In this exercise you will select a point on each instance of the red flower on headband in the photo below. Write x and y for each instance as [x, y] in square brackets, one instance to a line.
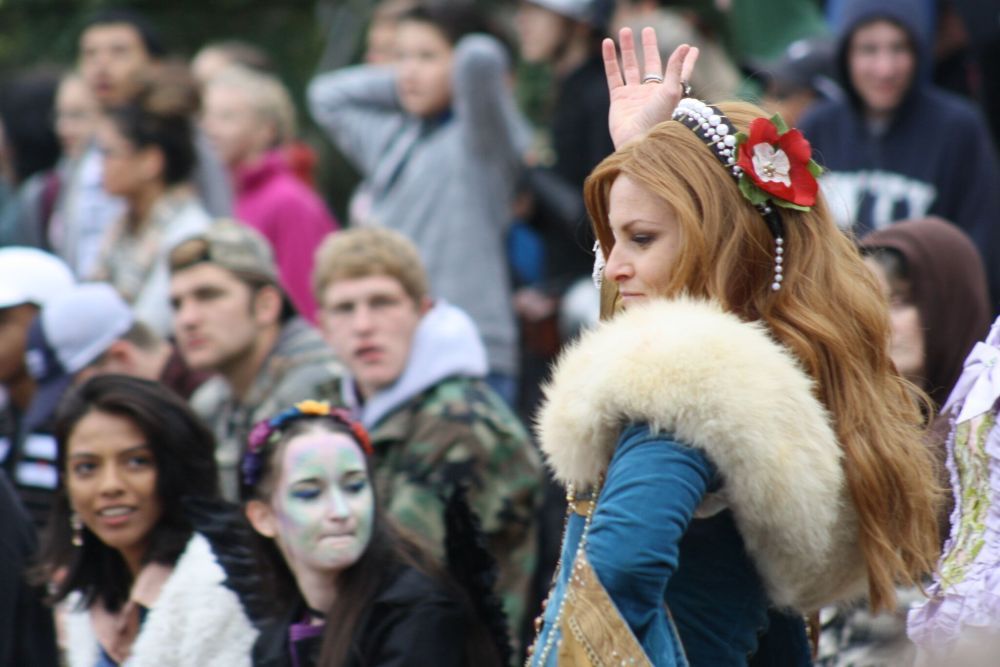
[779, 164]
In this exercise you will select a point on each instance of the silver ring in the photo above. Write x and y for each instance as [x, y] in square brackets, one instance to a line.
[685, 88]
[650, 78]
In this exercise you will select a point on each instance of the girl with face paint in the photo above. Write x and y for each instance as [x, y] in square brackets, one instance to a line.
[309, 495]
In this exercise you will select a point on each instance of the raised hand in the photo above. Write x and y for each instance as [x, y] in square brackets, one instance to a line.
[636, 106]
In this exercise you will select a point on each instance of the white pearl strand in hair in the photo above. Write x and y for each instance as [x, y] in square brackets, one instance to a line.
[712, 128]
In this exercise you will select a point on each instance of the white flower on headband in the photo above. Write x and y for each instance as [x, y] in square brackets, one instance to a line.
[770, 165]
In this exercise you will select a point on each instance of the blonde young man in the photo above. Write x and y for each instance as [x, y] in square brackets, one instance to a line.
[416, 378]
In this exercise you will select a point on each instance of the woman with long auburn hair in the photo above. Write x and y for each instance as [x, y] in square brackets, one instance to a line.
[734, 437]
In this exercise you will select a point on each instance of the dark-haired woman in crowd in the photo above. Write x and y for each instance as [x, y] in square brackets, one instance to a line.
[333, 554]
[149, 156]
[142, 585]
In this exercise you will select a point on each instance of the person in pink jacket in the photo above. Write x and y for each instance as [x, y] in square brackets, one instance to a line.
[249, 118]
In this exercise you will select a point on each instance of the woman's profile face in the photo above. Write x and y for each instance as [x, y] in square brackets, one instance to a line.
[647, 241]
[424, 62]
[111, 481]
[125, 166]
[906, 345]
[323, 505]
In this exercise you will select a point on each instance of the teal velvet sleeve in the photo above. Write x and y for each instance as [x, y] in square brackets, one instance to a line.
[652, 489]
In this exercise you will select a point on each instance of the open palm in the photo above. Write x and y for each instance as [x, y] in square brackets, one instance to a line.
[636, 106]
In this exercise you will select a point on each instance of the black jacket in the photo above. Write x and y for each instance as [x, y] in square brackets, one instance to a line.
[27, 634]
[413, 622]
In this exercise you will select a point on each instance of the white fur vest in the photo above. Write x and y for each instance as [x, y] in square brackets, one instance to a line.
[725, 386]
[195, 621]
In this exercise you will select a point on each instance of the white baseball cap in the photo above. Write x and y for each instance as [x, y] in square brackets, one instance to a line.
[30, 275]
[80, 324]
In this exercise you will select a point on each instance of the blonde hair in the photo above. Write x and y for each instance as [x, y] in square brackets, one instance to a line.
[369, 251]
[828, 312]
[267, 97]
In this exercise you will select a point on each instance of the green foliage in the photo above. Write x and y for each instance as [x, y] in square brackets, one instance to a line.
[751, 191]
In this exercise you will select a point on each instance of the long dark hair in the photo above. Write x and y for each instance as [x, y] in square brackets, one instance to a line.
[160, 116]
[389, 551]
[184, 452]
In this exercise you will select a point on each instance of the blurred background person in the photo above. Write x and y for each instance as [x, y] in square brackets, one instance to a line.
[935, 286]
[215, 57]
[76, 116]
[249, 118]
[935, 283]
[148, 156]
[380, 40]
[802, 77]
[29, 278]
[716, 77]
[29, 150]
[897, 147]
[89, 330]
[119, 52]
[436, 139]
[27, 633]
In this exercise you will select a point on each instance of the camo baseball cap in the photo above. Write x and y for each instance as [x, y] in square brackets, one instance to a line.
[231, 245]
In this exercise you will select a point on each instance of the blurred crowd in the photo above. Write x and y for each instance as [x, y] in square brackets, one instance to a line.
[160, 218]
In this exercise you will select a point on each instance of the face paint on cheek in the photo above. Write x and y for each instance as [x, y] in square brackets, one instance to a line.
[325, 506]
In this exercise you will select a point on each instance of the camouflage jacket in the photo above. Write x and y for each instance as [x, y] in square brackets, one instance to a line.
[300, 366]
[459, 431]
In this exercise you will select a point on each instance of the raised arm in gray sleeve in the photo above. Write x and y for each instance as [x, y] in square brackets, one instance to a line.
[358, 109]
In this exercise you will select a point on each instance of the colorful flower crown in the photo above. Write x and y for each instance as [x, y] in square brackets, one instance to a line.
[267, 430]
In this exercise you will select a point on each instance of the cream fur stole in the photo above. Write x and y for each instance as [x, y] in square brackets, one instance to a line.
[725, 386]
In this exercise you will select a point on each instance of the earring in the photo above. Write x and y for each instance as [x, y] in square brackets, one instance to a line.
[779, 260]
[77, 525]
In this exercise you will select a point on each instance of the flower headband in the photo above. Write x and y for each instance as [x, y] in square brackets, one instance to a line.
[267, 430]
[772, 165]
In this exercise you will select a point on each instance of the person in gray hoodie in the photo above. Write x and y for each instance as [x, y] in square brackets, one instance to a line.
[438, 142]
[415, 380]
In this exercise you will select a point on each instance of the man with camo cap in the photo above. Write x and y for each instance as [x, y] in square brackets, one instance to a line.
[416, 372]
[231, 316]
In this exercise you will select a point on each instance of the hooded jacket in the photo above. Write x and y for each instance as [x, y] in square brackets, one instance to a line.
[948, 287]
[440, 426]
[933, 157]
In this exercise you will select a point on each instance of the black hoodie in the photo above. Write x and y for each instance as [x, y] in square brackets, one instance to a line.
[934, 157]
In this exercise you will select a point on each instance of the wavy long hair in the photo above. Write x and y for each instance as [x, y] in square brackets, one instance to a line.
[829, 313]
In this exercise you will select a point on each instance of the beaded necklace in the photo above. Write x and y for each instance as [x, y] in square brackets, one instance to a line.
[539, 620]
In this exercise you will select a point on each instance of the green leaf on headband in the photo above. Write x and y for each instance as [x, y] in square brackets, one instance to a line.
[751, 191]
[815, 169]
[779, 123]
[741, 137]
[787, 204]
